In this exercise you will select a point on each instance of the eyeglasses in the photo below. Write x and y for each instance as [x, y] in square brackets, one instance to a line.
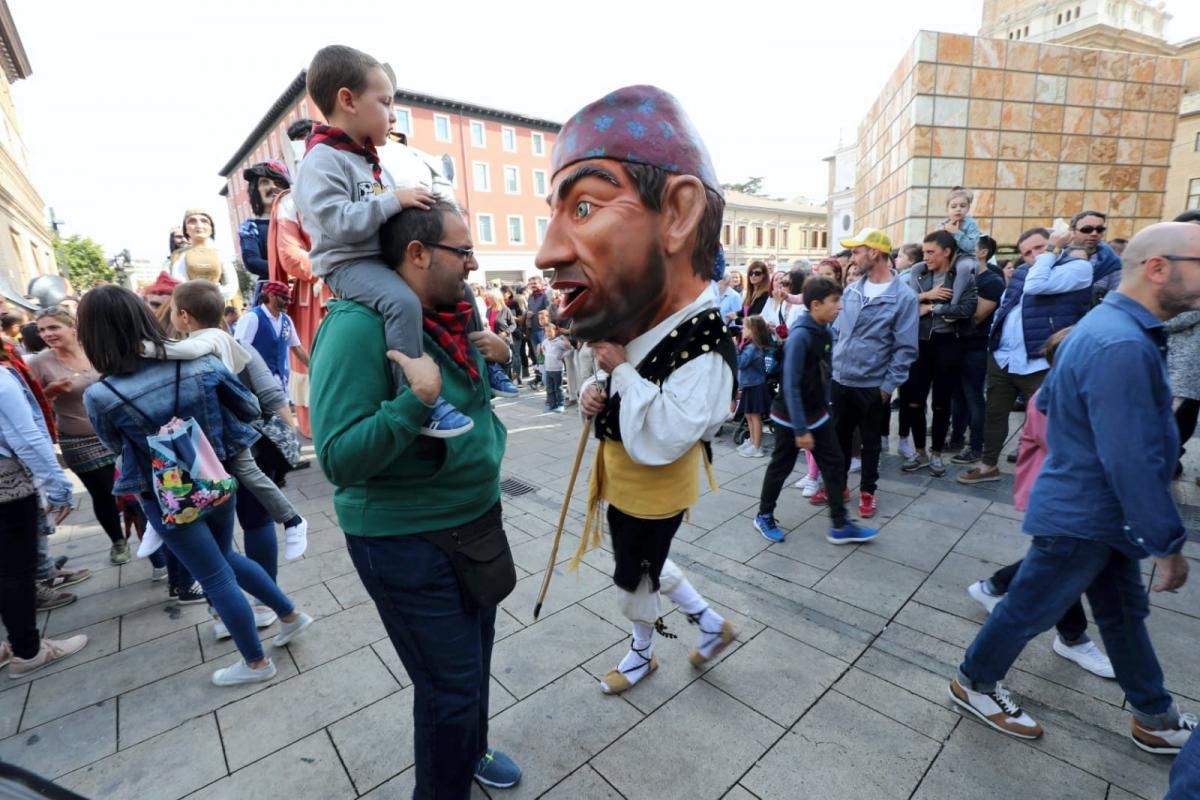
[467, 253]
[1093, 229]
[757, 274]
[1175, 258]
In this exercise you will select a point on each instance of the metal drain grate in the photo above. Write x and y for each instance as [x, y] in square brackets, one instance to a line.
[515, 488]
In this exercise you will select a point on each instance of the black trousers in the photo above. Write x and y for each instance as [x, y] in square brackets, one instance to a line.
[18, 574]
[640, 546]
[1185, 419]
[828, 454]
[858, 409]
[1072, 626]
[938, 366]
[99, 485]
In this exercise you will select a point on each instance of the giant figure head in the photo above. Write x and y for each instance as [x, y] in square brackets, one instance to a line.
[635, 214]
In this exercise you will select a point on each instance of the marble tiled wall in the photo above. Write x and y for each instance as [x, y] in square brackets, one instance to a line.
[1037, 131]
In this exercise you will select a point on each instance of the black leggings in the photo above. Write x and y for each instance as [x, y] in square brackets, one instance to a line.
[99, 485]
[938, 365]
[18, 574]
[1185, 419]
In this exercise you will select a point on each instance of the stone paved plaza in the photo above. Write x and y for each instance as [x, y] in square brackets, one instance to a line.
[836, 687]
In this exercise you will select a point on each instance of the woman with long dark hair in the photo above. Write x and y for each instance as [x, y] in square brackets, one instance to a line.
[26, 461]
[65, 373]
[134, 400]
[758, 289]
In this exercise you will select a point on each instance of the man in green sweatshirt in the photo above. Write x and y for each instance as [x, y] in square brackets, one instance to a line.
[403, 499]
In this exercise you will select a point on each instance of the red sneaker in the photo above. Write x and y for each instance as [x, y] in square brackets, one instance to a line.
[821, 498]
[866, 505]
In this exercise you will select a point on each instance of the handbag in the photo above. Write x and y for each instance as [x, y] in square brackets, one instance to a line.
[281, 436]
[189, 480]
[481, 558]
[16, 482]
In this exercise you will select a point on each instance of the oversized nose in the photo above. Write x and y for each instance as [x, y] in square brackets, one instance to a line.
[557, 250]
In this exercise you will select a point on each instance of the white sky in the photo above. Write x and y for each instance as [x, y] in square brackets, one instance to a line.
[132, 108]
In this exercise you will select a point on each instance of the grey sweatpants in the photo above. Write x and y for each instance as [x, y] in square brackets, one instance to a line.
[241, 465]
[381, 288]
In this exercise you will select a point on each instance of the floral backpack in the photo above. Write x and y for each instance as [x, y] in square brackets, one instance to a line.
[189, 480]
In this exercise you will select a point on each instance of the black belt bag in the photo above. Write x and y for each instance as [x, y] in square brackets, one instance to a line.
[482, 560]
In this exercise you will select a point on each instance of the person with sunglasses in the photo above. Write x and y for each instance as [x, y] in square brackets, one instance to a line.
[758, 290]
[1088, 228]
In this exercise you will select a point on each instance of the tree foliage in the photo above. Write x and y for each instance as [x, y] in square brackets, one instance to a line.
[82, 261]
[752, 186]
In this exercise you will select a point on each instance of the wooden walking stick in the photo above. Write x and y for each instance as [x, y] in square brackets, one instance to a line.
[562, 517]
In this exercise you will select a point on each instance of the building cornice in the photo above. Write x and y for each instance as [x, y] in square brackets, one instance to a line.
[280, 107]
[12, 51]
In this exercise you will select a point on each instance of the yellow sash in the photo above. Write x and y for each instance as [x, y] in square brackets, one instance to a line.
[649, 492]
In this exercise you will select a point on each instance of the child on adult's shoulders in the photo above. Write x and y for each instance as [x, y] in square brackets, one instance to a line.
[959, 221]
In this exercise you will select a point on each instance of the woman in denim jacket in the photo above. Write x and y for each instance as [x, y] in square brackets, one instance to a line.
[112, 324]
[27, 465]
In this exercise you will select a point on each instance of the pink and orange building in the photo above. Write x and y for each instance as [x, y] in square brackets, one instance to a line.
[500, 162]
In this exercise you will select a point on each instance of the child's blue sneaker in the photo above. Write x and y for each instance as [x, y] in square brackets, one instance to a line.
[560, 410]
[766, 525]
[497, 770]
[502, 386]
[850, 534]
[445, 421]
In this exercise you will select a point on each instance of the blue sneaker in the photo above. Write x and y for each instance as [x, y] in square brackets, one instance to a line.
[766, 525]
[850, 534]
[499, 380]
[497, 770]
[445, 421]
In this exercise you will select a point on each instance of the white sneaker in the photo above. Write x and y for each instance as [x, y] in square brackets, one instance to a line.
[297, 540]
[158, 574]
[290, 630]
[150, 543]
[997, 710]
[1086, 655]
[980, 594]
[905, 449]
[1168, 741]
[240, 673]
[263, 618]
[749, 451]
[856, 465]
[809, 485]
[757, 452]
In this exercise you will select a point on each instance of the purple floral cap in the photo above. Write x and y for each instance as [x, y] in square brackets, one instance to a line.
[640, 125]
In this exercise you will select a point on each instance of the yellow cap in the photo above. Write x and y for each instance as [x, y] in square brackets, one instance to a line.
[872, 238]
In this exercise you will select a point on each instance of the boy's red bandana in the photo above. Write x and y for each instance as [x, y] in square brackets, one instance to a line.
[449, 330]
[338, 139]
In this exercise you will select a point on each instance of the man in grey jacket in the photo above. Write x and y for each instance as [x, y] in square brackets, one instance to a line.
[875, 343]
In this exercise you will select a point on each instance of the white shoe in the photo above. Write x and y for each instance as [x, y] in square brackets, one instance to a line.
[905, 449]
[150, 543]
[749, 452]
[290, 630]
[996, 709]
[809, 485]
[263, 618]
[743, 447]
[158, 574]
[240, 673]
[297, 540]
[1167, 741]
[1086, 655]
[979, 593]
[757, 452]
[856, 465]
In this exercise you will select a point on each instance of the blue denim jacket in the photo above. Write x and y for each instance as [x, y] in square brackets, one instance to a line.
[1112, 437]
[208, 393]
[23, 436]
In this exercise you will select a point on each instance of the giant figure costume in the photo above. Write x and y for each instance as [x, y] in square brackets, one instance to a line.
[632, 241]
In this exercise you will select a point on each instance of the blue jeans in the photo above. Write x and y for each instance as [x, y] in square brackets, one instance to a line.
[554, 395]
[1185, 772]
[206, 549]
[969, 402]
[258, 532]
[445, 647]
[1056, 571]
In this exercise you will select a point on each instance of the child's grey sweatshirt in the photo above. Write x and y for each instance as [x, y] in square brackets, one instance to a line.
[335, 192]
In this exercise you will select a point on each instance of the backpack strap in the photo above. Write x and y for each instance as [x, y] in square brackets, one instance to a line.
[178, 370]
[127, 401]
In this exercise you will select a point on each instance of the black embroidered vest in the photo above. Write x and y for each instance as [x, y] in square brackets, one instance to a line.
[696, 336]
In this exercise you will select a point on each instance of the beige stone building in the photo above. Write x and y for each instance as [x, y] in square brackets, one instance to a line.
[1054, 108]
[758, 228]
[26, 249]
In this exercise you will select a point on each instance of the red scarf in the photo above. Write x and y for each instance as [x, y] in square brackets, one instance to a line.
[338, 139]
[449, 330]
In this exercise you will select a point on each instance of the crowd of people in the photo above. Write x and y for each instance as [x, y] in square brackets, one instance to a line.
[178, 407]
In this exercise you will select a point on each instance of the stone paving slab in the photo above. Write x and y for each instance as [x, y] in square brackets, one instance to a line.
[835, 688]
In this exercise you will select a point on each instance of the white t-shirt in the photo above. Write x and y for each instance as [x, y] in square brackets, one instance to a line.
[247, 328]
[872, 290]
